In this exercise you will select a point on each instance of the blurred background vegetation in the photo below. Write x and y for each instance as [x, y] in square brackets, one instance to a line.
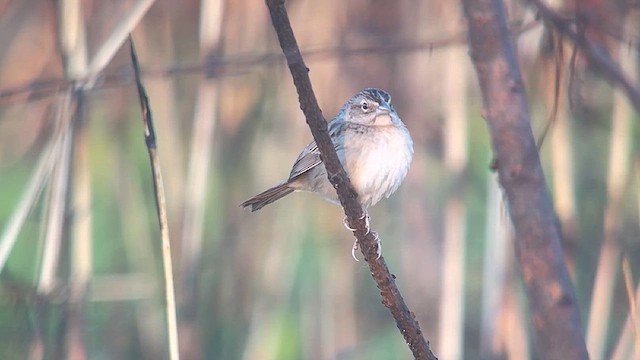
[80, 260]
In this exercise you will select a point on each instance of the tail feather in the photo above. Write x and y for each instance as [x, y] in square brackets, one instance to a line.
[267, 197]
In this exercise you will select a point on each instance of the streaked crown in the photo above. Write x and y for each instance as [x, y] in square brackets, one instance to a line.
[376, 95]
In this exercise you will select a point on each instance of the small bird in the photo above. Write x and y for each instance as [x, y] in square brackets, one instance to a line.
[373, 145]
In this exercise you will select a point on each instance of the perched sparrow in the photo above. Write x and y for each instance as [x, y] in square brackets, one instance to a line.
[373, 145]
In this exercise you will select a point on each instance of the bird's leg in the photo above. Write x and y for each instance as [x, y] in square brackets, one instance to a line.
[364, 216]
[354, 248]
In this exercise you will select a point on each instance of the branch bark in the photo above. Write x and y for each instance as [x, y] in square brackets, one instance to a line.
[554, 311]
[391, 297]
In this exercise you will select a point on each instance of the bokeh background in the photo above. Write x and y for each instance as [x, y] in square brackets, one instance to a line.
[80, 259]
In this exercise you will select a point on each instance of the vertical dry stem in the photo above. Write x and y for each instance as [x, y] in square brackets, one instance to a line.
[55, 213]
[561, 141]
[73, 47]
[159, 196]
[455, 158]
[494, 269]
[617, 175]
[205, 114]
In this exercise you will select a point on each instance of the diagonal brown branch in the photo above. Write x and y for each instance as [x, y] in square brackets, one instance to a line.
[554, 311]
[158, 191]
[391, 297]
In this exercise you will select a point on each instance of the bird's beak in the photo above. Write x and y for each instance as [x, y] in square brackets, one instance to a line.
[383, 114]
[384, 108]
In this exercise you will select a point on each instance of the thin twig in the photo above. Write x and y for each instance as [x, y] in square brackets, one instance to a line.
[597, 55]
[158, 190]
[391, 297]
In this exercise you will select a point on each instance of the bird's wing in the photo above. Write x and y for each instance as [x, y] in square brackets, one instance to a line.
[308, 159]
[310, 155]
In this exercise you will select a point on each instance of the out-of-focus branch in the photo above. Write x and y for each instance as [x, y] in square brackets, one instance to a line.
[391, 297]
[554, 311]
[217, 67]
[596, 55]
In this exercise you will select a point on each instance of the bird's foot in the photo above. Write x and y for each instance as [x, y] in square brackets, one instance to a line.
[345, 222]
[364, 216]
[356, 246]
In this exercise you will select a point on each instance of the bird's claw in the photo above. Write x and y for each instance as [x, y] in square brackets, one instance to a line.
[345, 222]
[355, 247]
[364, 216]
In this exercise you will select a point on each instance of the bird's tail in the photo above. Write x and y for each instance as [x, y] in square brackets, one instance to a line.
[267, 197]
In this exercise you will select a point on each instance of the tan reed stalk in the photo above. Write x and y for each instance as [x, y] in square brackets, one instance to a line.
[81, 238]
[617, 175]
[159, 196]
[116, 39]
[58, 198]
[633, 307]
[196, 184]
[73, 48]
[452, 306]
[628, 345]
[157, 45]
[515, 340]
[40, 176]
[561, 149]
[497, 229]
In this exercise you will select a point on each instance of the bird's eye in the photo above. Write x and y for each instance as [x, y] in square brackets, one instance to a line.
[364, 106]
